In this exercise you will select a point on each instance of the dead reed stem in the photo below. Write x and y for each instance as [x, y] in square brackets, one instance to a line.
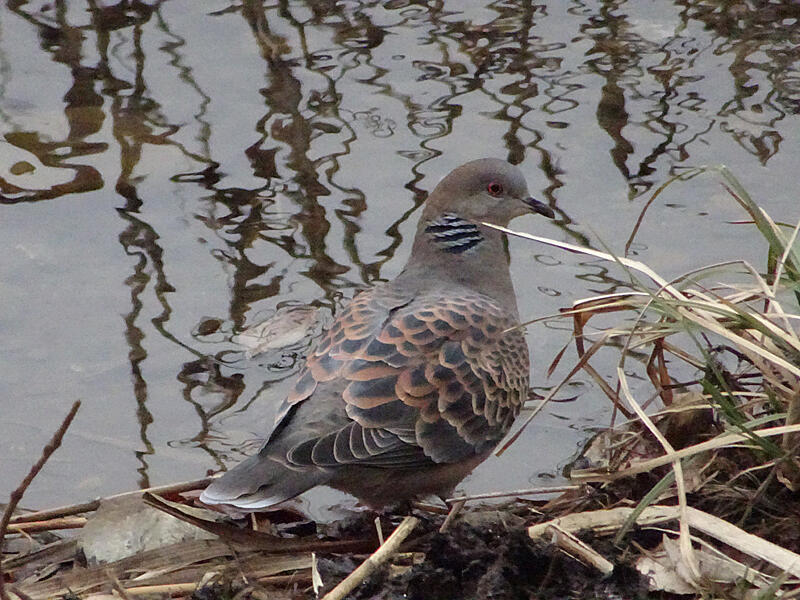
[451, 516]
[514, 493]
[375, 560]
[48, 525]
[17, 494]
[76, 509]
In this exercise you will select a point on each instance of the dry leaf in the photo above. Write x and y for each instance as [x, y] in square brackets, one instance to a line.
[665, 570]
[661, 575]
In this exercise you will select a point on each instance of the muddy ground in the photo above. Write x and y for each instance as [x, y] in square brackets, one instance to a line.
[485, 554]
[485, 560]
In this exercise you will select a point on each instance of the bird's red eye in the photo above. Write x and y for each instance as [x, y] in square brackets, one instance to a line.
[495, 189]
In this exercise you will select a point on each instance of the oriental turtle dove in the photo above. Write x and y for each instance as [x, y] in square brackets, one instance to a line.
[419, 378]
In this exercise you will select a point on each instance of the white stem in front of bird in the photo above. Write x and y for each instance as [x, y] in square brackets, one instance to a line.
[556, 489]
[702, 314]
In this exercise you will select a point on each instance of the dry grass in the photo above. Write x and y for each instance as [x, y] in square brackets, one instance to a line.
[718, 431]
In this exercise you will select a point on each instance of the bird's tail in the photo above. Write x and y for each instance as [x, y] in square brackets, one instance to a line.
[261, 481]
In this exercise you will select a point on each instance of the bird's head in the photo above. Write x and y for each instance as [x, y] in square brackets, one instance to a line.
[488, 189]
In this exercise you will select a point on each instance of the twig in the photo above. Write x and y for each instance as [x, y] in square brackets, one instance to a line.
[165, 589]
[728, 439]
[300, 577]
[380, 556]
[54, 513]
[379, 530]
[17, 494]
[457, 506]
[117, 585]
[49, 525]
[512, 493]
[580, 550]
[431, 508]
[76, 509]
[605, 521]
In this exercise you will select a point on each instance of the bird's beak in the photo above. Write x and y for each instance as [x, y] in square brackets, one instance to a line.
[539, 207]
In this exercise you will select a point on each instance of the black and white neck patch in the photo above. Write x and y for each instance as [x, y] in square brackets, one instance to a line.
[454, 234]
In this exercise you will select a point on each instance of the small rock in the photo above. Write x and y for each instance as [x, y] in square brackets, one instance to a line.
[126, 526]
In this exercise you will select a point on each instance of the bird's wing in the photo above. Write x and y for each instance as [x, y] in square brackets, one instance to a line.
[406, 381]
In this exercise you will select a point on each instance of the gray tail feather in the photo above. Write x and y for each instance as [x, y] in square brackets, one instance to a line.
[259, 482]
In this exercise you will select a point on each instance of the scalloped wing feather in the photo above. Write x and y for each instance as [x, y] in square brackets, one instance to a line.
[434, 378]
